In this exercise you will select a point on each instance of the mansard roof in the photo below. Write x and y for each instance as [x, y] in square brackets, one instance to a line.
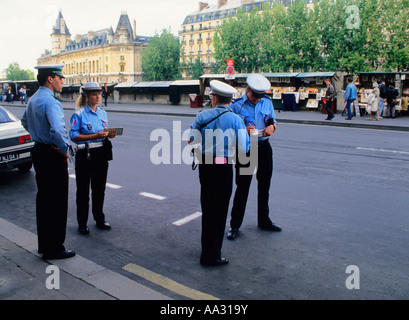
[126, 24]
[57, 25]
[229, 9]
[101, 37]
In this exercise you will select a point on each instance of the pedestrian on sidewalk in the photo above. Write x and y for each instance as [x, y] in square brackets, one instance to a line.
[391, 95]
[349, 97]
[382, 97]
[329, 98]
[44, 120]
[373, 102]
[105, 94]
[23, 95]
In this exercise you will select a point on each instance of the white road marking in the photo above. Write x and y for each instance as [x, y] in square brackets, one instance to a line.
[187, 219]
[113, 186]
[109, 185]
[151, 195]
[382, 150]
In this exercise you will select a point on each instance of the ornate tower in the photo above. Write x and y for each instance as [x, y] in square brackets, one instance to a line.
[61, 36]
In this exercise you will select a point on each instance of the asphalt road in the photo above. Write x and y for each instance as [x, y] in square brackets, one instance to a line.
[340, 194]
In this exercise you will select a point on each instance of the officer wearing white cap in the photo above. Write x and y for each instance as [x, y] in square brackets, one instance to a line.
[215, 169]
[44, 119]
[89, 130]
[257, 111]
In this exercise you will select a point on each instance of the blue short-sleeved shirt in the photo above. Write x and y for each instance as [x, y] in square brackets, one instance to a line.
[87, 121]
[256, 115]
[44, 119]
[227, 131]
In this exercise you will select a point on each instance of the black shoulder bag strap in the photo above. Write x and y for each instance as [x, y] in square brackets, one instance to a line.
[194, 165]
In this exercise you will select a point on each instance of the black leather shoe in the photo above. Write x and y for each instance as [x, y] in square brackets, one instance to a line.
[83, 230]
[270, 227]
[59, 255]
[104, 225]
[232, 233]
[215, 263]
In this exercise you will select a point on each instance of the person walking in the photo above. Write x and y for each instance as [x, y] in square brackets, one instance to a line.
[23, 94]
[382, 97]
[391, 95]
[216, 169]
[257, 111]
[373, 102]
[89, 131]
[329, 98]
[105, 94]
[9, 96]
[349, 97]
[43, 118]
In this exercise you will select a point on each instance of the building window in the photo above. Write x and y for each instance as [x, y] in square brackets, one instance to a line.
[122, 58]
[122, 68]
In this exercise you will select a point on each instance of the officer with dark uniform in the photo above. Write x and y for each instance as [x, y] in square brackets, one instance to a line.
[89, 130]
[211, 129]
[44, 119]
[257, 111]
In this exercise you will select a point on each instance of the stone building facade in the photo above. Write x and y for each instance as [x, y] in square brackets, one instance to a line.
[198, 28]
[104, 56]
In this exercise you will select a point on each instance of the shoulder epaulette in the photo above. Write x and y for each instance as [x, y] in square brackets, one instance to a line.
[236, 99]
[79, 111]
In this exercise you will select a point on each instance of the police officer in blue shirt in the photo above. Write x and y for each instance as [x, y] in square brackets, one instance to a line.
[256, 109]
[89, 130]
[44, 119]
[221, 134]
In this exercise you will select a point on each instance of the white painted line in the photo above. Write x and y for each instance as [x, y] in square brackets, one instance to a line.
[109, 185]
[113, 186]
[151, 195]
[382, 150]
[187, 219]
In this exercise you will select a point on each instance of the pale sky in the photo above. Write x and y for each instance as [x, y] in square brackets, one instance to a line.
[26, 25]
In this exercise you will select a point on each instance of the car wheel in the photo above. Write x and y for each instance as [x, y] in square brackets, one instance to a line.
[25, 167]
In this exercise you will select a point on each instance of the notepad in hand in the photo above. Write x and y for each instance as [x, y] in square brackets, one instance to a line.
[119, 131]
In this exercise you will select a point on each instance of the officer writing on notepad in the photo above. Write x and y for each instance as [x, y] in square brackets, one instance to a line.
[89, 130]
[220, 134]
[256, 109]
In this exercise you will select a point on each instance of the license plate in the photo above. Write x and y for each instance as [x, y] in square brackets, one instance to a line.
[9, 157]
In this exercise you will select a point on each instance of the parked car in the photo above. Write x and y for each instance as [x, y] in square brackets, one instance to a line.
[15, 143]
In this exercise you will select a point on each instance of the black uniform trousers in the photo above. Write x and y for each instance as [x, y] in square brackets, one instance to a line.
[264, 174]
[52, 198]
[216, 181]
[91, 168]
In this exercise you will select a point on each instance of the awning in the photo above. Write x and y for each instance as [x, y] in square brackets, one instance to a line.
[315, 74]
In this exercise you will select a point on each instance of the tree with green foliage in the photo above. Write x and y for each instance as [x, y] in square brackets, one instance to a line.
[395, 25]
[14, 73]
[160, 60]
[239, 39]
[342, 35]
[196, 69]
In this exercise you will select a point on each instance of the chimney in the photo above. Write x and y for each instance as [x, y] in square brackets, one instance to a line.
[134, 29]
[91, 35]
[221, 3]
[78, 38]
[203, 5]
